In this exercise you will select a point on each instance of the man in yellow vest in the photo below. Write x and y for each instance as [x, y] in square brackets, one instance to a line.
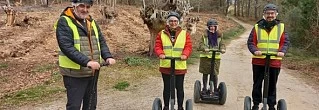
[173, 42]
[81, 45]
[267, 36]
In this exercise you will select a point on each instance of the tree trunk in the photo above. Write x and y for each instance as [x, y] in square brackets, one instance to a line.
[242, 7]
[238, 8]
[11, 13]
[317, 13]
[256, 9]
[248, 9]
[235, 10]
[152, 43]
[227, 6]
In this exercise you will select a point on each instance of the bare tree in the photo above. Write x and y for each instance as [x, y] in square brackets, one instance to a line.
[154, 16]
[248, 8]
[11, 13]
[109, 12]
[317, 13]
[235, 5]
[228, 2]
[256, 9]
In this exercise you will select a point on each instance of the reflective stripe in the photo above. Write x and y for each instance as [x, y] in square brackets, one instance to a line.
[178, 49]
[270, 41]
[270, 49]
[77, 41]
[167, 47]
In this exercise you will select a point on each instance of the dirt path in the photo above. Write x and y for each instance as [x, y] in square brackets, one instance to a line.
[235, 72]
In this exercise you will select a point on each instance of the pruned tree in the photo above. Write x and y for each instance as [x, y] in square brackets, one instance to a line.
[154, 16]
[45, 3]
[109, 12]
[11, 13]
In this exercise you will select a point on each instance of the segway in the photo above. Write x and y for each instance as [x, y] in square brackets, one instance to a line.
[157, 104]
[210, 97]
[281, 103]
[95, 79]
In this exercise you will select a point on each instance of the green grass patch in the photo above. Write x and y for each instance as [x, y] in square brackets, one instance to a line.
[233, 32]
[32, 94]
[137, 61]
[3, 65]
[121, 85]
[43, 68]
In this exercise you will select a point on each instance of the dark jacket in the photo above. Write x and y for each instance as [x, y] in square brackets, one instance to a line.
[252, 44]
[66, 43]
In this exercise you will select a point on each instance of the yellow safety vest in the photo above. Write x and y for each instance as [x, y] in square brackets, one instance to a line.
[64, 61]
[173, 51]
[209, 54]
[269, 43]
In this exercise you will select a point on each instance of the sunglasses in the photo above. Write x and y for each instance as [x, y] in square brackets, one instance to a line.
[172, 20]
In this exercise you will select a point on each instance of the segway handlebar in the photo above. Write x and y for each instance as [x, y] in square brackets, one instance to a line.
[269, 54]
[102, 64]
[176, 58]
[214, 50]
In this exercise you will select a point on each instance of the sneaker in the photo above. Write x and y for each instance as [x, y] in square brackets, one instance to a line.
[255, 107]
[180, 108]
[166, 108]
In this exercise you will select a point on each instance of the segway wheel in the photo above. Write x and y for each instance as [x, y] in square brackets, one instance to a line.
[222, 93]
[281, 105]
[197, 87]
[189, 104]
[247, 103]
[157, 104]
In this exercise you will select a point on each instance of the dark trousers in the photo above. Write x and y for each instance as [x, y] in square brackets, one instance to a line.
[79, 90]
[258, 77]
[179, 85]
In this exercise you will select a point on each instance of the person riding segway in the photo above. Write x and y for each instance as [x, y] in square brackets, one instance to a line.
[268, 36]
[211, 47]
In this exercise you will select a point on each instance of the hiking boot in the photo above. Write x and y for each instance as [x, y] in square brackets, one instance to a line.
[216, 95]
[180, 108]
[204, 92]
[255, 107]
[166, 108]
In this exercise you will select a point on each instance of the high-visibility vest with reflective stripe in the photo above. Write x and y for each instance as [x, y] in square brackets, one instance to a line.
[269, 43]
[209, 54]
[64, 61]
[173, 51]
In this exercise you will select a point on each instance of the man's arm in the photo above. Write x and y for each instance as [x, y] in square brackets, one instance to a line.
[284, 42]
[252, 41]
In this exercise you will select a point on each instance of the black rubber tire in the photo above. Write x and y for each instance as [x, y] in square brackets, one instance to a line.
[197, 91]
[247, 103]
[157, 104]
[282, 105]
[189, 104]
[222, 93]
